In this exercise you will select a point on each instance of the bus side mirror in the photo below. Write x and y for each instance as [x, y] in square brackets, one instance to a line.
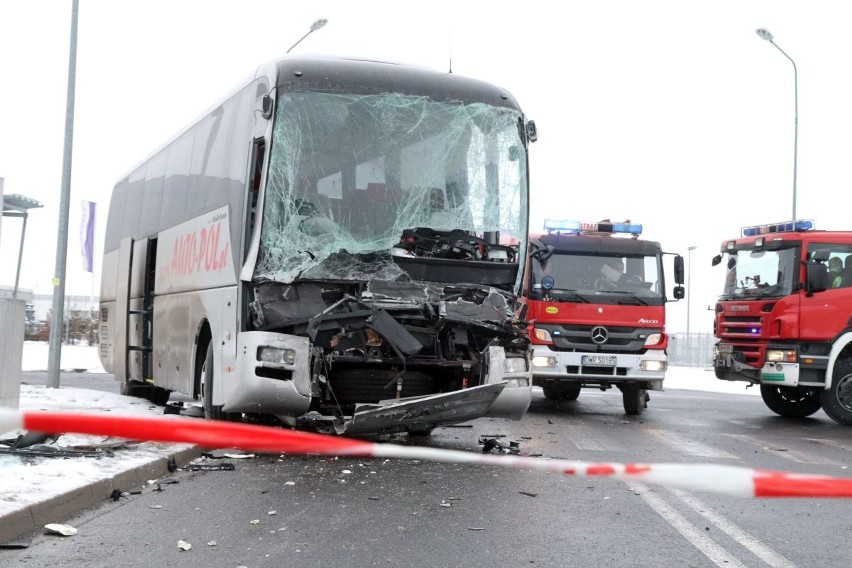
[678, 271]
[532, 131]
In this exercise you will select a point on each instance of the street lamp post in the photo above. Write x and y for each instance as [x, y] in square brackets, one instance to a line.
[314, 27]
[688, 298]
[764, 34]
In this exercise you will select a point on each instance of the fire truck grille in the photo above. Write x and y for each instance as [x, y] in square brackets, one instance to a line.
[613, 339]
[744, 334]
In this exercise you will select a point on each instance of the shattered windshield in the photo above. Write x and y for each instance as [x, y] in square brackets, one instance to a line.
[573, 277]
[348, 174]
[760, 273]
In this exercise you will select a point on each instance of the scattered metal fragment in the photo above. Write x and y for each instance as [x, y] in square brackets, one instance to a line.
[16, 544]
[502, 447]
[528, 493]
[212, 543]
[183, 545]
[58, 529]
[211, 467]
[476, 528]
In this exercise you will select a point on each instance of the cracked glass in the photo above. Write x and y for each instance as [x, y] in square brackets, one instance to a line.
[349, 174]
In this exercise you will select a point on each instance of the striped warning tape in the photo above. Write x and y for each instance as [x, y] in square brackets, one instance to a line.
[723, 479]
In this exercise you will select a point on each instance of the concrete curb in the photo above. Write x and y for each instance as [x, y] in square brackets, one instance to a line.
[59, 508]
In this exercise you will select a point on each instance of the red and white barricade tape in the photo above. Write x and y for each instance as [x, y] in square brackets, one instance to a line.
[723, 479]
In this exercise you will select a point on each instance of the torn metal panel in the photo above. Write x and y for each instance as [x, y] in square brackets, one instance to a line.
[397, 416]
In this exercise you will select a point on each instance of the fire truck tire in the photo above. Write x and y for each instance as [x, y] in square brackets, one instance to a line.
[837, 400]
[635, 399]
[792, 402]
[559, 392]
[212, 412]
[572, 392]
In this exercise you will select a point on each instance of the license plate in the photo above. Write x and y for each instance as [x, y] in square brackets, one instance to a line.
[725, 348]
[601, 360]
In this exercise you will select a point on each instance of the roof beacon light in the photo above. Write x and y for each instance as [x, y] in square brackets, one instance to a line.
[785, 227]
[563, 226]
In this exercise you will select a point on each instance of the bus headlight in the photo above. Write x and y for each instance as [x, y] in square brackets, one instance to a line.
[276, 355]
[515, 365]
[543, 361]
[781, 355]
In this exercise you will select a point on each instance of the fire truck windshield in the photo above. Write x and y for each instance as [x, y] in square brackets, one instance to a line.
[760, 273]
[576, 277]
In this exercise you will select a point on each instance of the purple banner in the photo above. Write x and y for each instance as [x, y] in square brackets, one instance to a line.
[87, 236]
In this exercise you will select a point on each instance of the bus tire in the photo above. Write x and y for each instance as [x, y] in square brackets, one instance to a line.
[133, 388]
[212, 412]
[158, 395]
[837, 400]
[792, 402]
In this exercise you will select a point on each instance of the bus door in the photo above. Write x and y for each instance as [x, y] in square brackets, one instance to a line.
[134, 302]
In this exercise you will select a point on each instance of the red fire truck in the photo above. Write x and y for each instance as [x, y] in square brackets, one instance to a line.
[596, 299]
[784, 318]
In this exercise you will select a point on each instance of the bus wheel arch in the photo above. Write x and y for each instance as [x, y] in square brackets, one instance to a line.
[837, 398]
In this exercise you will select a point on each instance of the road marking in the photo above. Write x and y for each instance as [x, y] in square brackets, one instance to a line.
[707, 546]
[690, 446]
[832, 443]
[786, 453]
[581, 437]
[748, 541]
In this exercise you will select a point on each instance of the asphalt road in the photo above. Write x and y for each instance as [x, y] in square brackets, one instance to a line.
[310, 511]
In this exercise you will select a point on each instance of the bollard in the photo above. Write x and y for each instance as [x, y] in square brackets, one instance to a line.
[12, 316]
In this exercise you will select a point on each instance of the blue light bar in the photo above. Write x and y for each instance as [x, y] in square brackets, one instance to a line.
[785, 227]
[561, 225]
[555, 225]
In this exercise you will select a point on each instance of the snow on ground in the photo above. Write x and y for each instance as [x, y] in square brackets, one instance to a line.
[30, 480]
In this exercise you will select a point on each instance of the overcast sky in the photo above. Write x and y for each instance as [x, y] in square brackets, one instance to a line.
[674, 114]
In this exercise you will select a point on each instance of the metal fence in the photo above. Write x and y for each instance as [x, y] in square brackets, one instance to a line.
[691, 349]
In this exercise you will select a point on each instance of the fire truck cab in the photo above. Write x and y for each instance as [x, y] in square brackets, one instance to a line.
[784, 318]
[596, 297]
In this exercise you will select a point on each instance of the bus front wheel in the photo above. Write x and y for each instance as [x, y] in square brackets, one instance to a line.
[211, 411]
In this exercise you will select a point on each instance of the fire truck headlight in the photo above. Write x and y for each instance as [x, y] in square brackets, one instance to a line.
[541, 361]
[781, 355]
[653, 339]
[542, 335]
[277, 356]
[652, 365]
[515, 365]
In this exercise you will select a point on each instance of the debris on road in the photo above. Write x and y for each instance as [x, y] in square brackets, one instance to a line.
[58, 529]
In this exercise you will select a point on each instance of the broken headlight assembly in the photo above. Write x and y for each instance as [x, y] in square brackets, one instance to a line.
[276, 355]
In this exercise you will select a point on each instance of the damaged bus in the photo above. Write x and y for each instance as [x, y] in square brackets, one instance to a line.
[337, 244]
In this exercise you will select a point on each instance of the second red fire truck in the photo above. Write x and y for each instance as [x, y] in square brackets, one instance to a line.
[784, 318]
[596, 301]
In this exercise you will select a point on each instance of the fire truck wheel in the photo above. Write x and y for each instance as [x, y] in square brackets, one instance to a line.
[132, 388]
[837, 400]
[792, 402]
[634, 398]
[207, 376]
[560, 392]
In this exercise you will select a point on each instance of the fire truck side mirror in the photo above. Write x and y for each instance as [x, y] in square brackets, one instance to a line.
[716, 260]
[679, 293]
[678, 270]
[816, 278]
